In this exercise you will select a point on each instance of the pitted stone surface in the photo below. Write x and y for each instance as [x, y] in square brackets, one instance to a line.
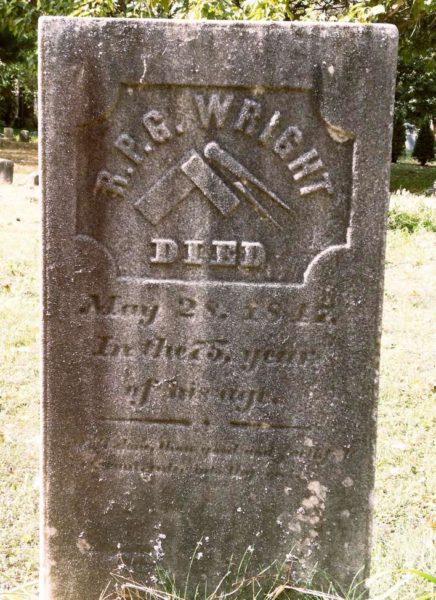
[215, 201]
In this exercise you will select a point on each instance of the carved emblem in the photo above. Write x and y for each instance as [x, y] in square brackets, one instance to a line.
[195, 176]
[203, 177]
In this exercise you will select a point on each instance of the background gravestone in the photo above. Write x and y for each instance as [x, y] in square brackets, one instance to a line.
[33, 179]
[24, 135]
[215, 212]
[6, 170]
[8, 133]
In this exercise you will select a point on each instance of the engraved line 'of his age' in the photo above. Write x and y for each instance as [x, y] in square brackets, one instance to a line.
[241, 399]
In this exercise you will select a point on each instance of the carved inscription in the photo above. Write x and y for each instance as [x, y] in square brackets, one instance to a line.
[215, 201]
[217, 184]
[159, 455]
[213, 109]
[157, 384]
[320, 311]
[212, 350]
[239, 399]
[248, 255]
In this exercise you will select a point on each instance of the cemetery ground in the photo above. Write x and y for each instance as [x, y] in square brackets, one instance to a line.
[404, 500]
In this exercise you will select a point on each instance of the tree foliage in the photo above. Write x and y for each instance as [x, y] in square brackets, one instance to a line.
[415, 19]
[17, 75]
[416, 87]
[398, 137]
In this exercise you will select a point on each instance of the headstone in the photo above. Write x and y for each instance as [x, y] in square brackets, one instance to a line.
[24, 135]
[6, 170]
[8, 133]
[431, 190]
[215, 201]
[34, 178]
[411, 135]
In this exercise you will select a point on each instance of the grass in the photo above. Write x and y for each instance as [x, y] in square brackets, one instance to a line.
[405, 520]
[24, 156]
[32, 133]
[269, 584]
[409, 212]
[408, 175]
[405, 484]
[19, 388]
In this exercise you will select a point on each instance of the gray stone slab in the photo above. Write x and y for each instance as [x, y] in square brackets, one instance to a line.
[24, 135]
[6, 170]
[8, 133]
[215, 199]
[33, 179]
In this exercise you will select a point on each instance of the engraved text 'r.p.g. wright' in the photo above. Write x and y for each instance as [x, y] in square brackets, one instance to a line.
[196, 169]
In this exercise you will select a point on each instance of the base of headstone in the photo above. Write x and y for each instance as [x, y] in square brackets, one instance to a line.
[6, 170]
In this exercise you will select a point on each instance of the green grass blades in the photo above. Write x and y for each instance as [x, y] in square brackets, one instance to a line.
[411, 177]
[270, 584]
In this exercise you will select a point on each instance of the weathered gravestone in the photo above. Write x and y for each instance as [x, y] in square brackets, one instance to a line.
[8, 133]
[6, 170]
[33, 179]
[24, 135]
[215, 201]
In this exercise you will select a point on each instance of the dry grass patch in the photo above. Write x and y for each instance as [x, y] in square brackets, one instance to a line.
[24, 155]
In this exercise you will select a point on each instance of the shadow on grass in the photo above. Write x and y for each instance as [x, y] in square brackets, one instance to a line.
[412, 177]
